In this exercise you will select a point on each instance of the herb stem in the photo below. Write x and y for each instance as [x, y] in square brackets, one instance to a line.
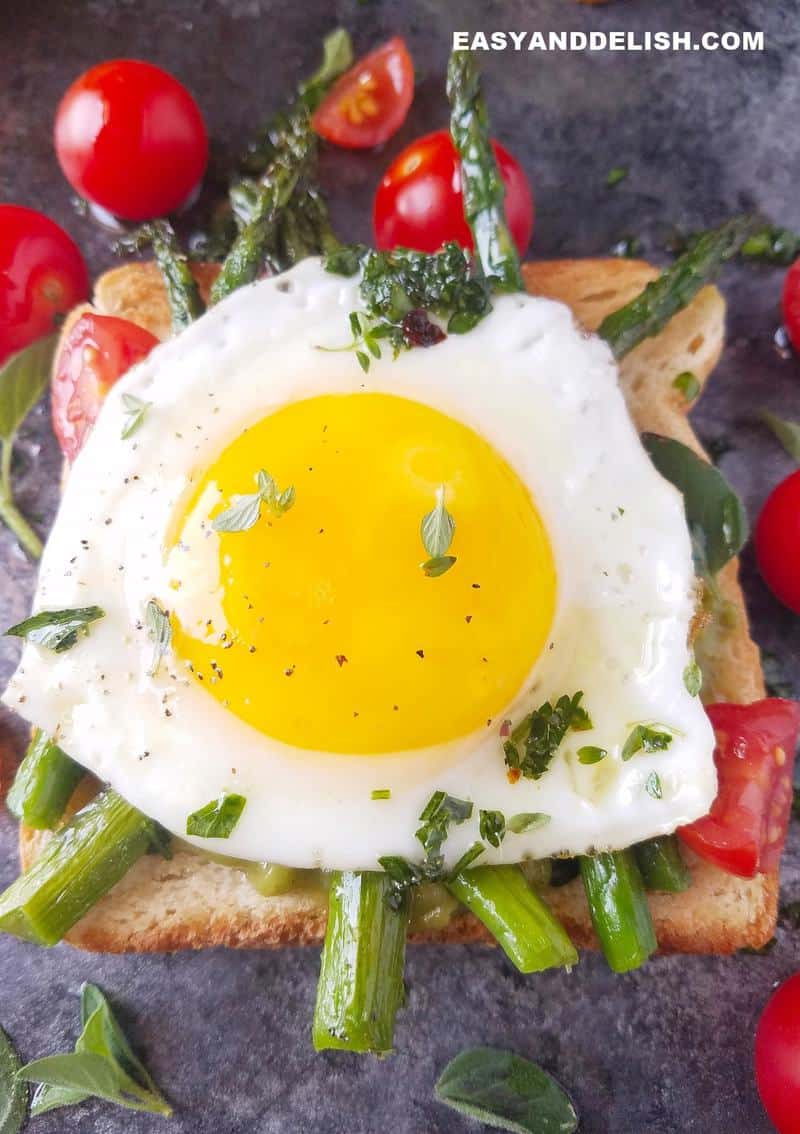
[618, 905]
[10, 513]
[528, 933]
[481, 184]
[361, 977]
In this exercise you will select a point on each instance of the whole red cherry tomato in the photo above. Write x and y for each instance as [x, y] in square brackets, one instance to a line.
[369, 102]
[419, 203]
[778, 1056]
[42, 275]
[130, 138]
[791, 304]
[98, 350]
[777, 541]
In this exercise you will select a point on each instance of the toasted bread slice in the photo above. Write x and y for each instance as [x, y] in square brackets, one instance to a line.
[188, 902]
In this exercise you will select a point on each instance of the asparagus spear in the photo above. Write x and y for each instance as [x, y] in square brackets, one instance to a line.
[361, 978]
[44, 782]
[619, 909]
[649, 312]
[661, 865]
[481, 183]
[182, 291]
[79, 865]
[530, 936]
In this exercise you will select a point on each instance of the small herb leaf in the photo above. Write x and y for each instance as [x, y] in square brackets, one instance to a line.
[135, 410]
[643, 738]
[23, 380]
[433, 568]
[653, 785]
[687, 383]
[492, 827]
[241, 516]
[13, 1092]
[693, 678]
[591, 754]
[437, 528]
[159, 631]
[507, 1092]
[787, 432]
[527, 821]
[57, 630]
[218, 818]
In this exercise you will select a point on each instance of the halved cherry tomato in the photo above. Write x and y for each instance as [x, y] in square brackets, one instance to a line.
[777, 541]
[746, 828]
[778, 1056]
[419, 202]
[98, 350]
[130, 138]
[42, 275]
[791, 304]
[369, 102]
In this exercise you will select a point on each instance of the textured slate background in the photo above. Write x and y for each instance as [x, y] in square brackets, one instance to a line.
[666, 1049]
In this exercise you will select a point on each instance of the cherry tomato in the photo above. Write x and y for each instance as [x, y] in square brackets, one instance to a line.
[419, 202]
[369, 102]
[42, 275]
[791, 304]
[746, 828]
[778, 1056]
[98, 350]
[778, 541]
[130, 138]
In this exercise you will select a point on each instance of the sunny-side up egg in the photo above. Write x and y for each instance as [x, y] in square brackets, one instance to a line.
[313, 662]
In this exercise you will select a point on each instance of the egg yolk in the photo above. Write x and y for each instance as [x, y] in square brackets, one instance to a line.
[334, 638]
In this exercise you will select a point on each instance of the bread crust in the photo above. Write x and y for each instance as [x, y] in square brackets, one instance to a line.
[189, 903]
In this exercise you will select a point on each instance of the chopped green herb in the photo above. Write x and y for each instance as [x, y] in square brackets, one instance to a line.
[787, 432]
[440, 811]
[653, 785]
[526, 821]
[57, 630]
[591, 754]
[693, 678]
[643, 738]
[615, 175]
[687, 384]
[433, 568]
[541, 733]
[245, 513]
[218, 818]
[381, 793]
[503, 1090]
[135, 410]
[159, 631]
[437, 530]
[492, 827]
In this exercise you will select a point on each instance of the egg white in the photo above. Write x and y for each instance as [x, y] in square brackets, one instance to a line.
[545, 395]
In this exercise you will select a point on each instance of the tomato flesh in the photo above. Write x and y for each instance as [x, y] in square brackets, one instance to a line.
[130, 138]
[777, 540]
[778, 1057]
[42, 275]
[791, 304]
[745, 830]
[97, 352]
[419, 203]
[369, 102]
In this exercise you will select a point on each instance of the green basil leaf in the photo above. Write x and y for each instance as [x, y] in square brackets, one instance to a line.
[714, 513]
[57, 630]
[787, 432]
[13, 1092]
[507, 1092]
[218, 818]
[23, 380]
[80, 1072]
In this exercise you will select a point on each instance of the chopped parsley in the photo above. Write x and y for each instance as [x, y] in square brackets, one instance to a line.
[218, 818]
[643, 738]
[534, 741]
[493, 827]
[57, 630]
[440, 811]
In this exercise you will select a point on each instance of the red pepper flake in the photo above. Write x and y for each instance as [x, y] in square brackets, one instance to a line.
[418, 330]
[513, 775]
[420, 653]
[341, 659]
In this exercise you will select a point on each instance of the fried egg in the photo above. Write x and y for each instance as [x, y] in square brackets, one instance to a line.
[313, 664]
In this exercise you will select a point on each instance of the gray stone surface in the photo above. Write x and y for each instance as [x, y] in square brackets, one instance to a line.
[227, 1034]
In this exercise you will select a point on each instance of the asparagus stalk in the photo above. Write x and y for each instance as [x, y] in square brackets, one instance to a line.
[361, 978]
[530, 936]
[619, 909]
[44, 782]
[661, 865]
[182, 291]
[79, 865]
[481, 183]
[649, 312]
